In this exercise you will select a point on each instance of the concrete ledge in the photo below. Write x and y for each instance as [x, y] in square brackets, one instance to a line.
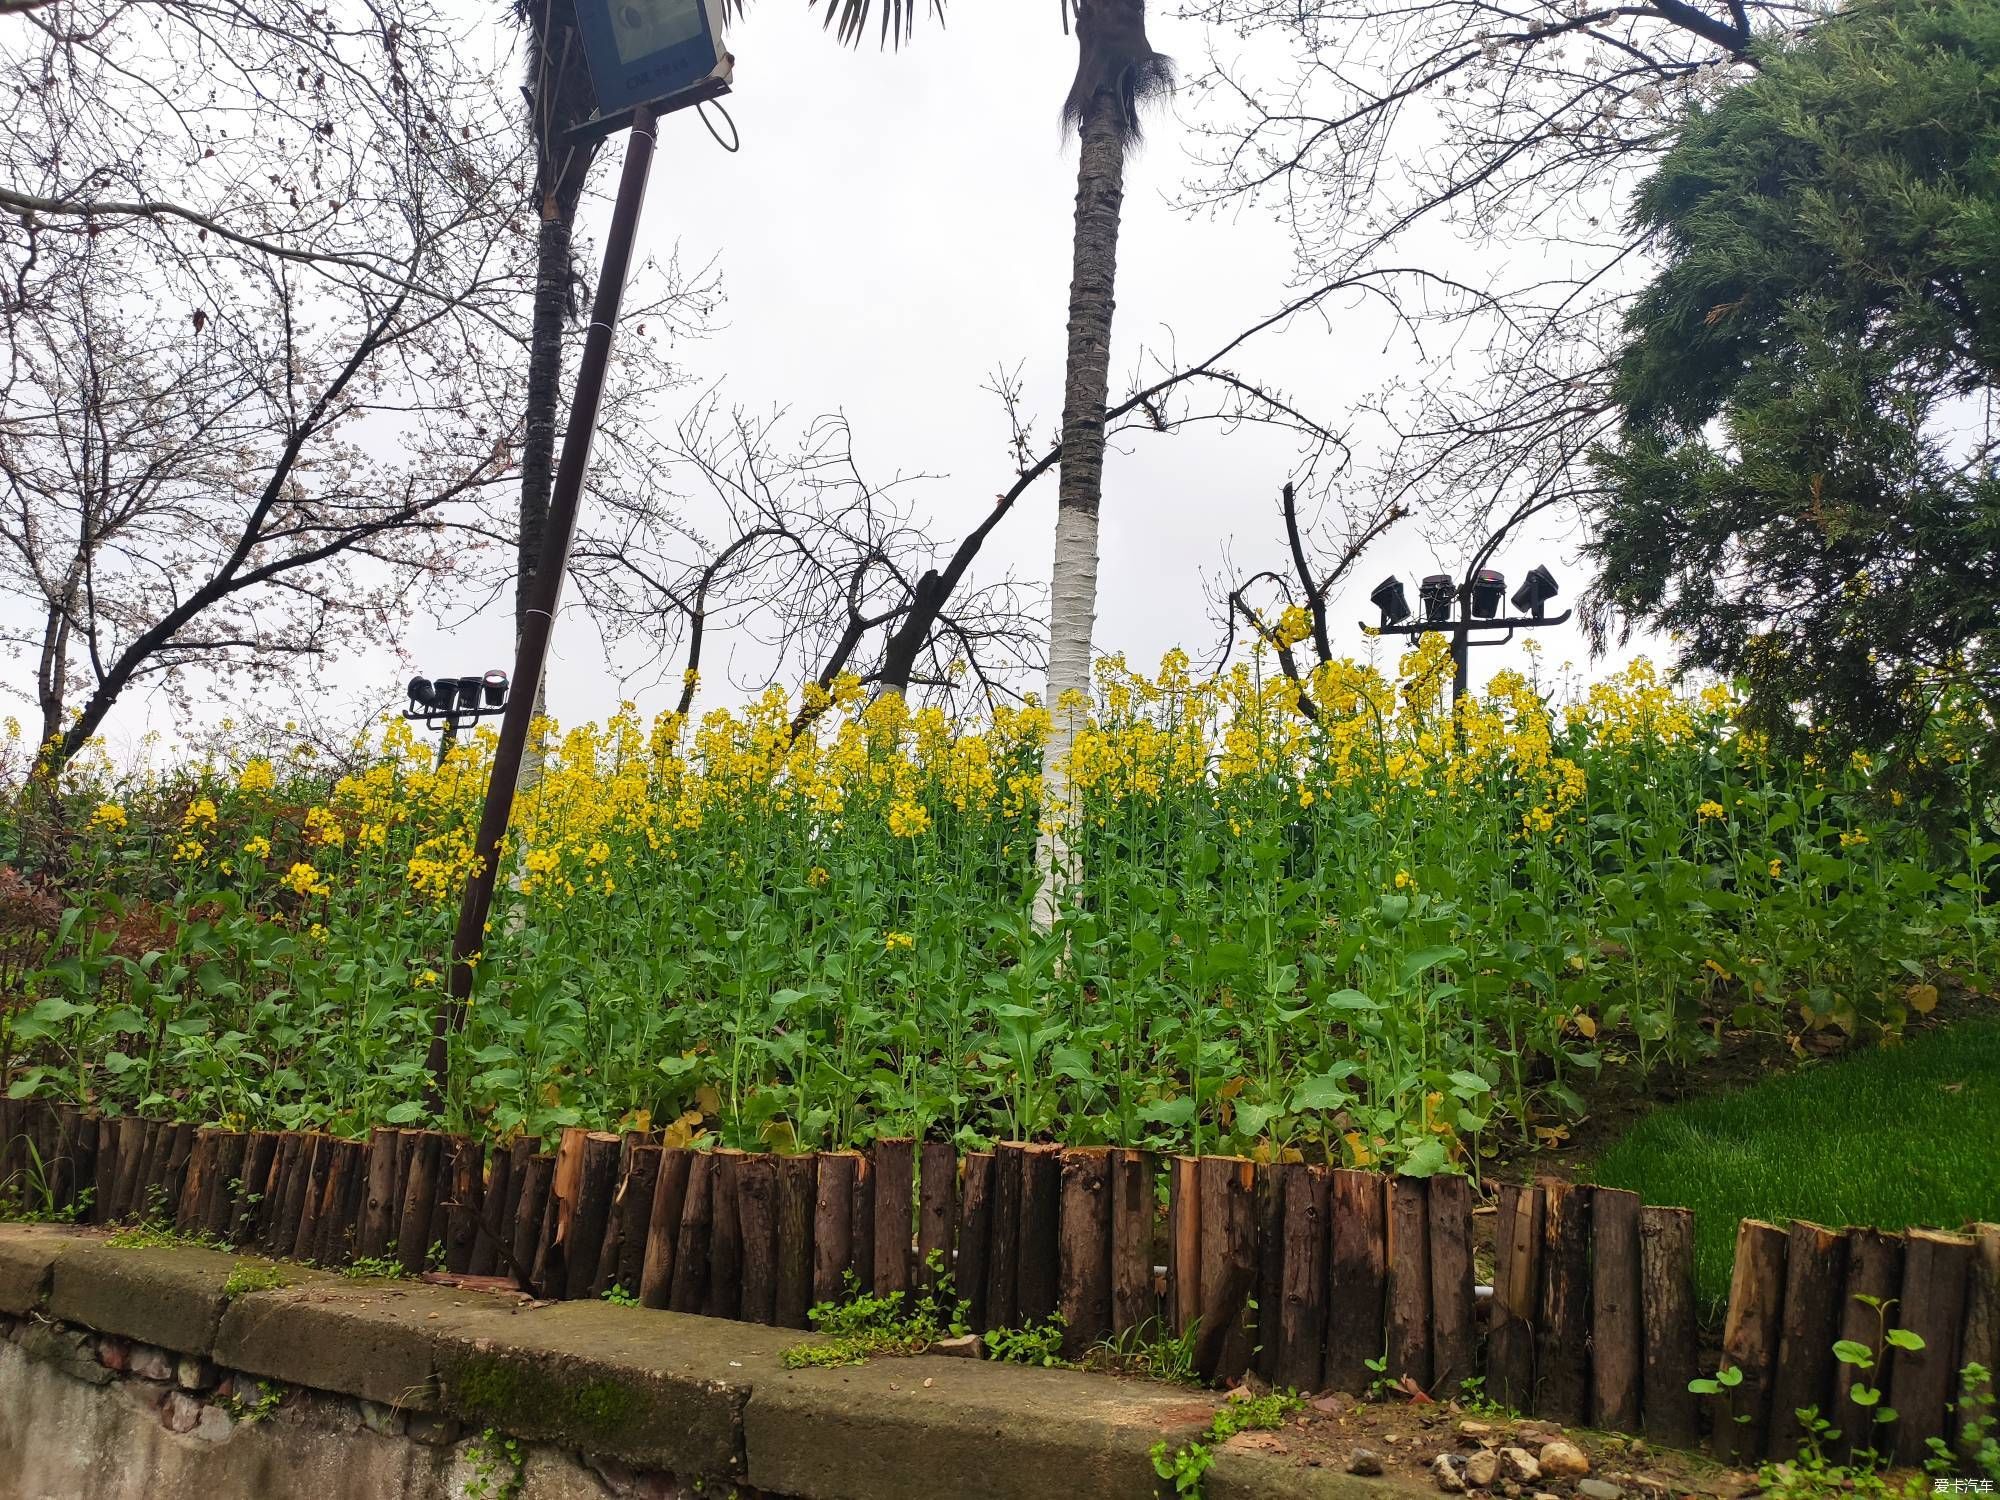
[169, 1297]
[915, 1429]
[706, 1401]
[28, 1255]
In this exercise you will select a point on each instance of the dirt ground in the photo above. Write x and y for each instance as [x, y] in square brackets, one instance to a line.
[1406, 1438]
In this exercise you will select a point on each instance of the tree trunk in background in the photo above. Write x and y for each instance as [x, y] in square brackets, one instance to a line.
[1100, 196]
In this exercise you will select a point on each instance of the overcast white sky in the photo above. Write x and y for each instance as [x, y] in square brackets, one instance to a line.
[895, 227]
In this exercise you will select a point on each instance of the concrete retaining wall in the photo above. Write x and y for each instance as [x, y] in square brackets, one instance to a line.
[135, 1372]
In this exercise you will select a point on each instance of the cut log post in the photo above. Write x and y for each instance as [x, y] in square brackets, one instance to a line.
[895, 1176]
[633, 1216]
[757, 1213]
[1562, 1337]
[937, 1212]
[185, 1205]
[498, 1197]
[861, 1223]
[145, 1203]
[89, 1161]
[13, 1153]
[120, 1144]
[60, 1171]
[247, 1212]
[596, 1182]
[321, 1169]
[331, 1234]
[531, 1210]
[1409, 1324]
[689, 1292]
[224, 1182]
[178, 1151]
[1228, 1196]
[1084, 1238]
[551, 1270]
[1300, 1314]
[1937, 1274]
[1357, 1273]
[284, 1164]
[292, 1201]
[1980, 1344]
[468, 1199]
[1134, 1207]
[725, 1237]
[1815, 1271]
[663, 1226]
[188, 1206]
[1454, 1333]
[1269, 1296]
[1666, 1296]
[1003, 1258]
[1037, 1285]
[833, 1225]
[797, 1192]
[1750, 1342]
[1510, 1325]
[1873, 1281]
[380, 1212]
[972, 1267]
[339, 1243]
[1617, 1339]
[1183, 1243]
[413, 1229]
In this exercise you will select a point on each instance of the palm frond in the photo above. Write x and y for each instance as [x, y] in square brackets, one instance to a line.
[848, 19]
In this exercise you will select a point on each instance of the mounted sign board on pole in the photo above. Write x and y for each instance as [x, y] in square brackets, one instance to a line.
[647, 59]
[663, 53]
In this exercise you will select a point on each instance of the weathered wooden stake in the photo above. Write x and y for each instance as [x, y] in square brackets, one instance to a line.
[1666, 1294]
[937, 1211]
[1562, 1339]
[725, 1237]
[1184, 1243]
[1617, 1318]
[1454, 1334]
[414, 1229]
[797, 1189]
[1409, 1282]
[973, 1266]
[1084, 1249]
[1003, 1258]
[1300, 1312]
[1228, 1187]
[1874, 1271]
[895, 1178]
[757, 1213]
[1750, 1342]
[1037, 1290]
[833, 1224]
[1510, 1325]
[689, 1293]
[468, 1199]
[1937, 1272]
[1980, 1344]
[596, 1181]
[623, 1263]
[1815, 1271]
[1357, 1277]
[1134, 1206]
[663, 1226]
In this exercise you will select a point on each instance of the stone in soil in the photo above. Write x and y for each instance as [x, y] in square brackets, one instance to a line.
[1520, 1465]
[180, 1412]
[1364, 1461]
[113, 1352]
[214, 1425]
[965, 1346]
[1481, 1469]
[193, 1373]
[1446, 1471]
[1472, 1429]
[1562, 1460]
[1598, 1489]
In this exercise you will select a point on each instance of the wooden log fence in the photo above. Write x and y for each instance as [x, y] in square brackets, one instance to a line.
[1314, 1278]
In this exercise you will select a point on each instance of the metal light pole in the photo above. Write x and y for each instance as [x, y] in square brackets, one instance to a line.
[647, 58]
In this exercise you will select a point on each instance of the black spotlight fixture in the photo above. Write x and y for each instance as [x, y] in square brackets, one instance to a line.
[1391, 600]
[1535, 591]
[1489, 587]
[449, 703]
[1437, 591]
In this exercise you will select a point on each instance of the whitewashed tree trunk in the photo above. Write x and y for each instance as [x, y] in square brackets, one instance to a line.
[1100, 194]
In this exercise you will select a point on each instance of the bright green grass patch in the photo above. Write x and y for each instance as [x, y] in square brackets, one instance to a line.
[1894, 1137]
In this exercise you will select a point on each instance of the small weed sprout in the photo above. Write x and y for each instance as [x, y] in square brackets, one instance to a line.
[1188, 1465]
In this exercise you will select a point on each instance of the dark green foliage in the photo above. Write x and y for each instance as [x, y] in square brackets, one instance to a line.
[1799, 489]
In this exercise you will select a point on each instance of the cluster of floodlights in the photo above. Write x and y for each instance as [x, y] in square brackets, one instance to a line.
[457, 699]
[1439, 592]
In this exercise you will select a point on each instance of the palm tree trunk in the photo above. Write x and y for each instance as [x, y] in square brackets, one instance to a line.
[1100, 197]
